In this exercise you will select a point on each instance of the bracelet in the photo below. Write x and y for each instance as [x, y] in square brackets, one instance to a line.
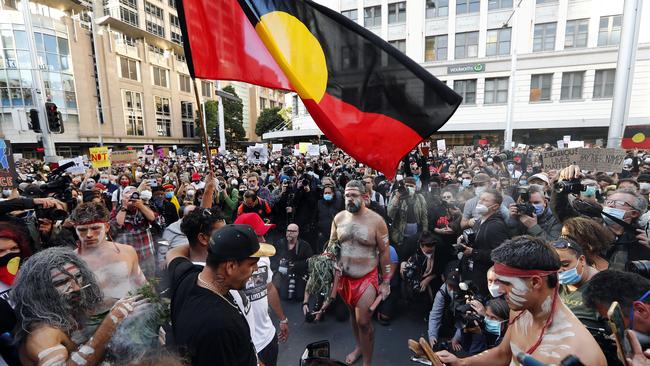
[285, 321]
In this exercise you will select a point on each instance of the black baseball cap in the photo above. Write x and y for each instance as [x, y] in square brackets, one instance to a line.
[237, 242]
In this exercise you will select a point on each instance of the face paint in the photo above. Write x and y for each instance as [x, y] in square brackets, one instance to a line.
[518, 291]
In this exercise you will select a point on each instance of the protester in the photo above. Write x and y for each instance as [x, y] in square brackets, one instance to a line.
[407, 211]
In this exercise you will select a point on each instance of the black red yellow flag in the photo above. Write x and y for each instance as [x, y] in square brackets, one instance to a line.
[368, 98]
[636, 137]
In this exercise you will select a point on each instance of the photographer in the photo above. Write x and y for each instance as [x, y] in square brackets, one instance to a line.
[422, 271]
[306, 205]
[531, 215]
[481, 182]
[476, 244]
[283, 209]
[408, 213]
[289, 264]
[441, 318]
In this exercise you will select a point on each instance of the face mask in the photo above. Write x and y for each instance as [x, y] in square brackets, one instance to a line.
[466, 182]
[490, 160]
[511, 167]
[145, 195]
[616, 212]
[428, 255]
[9, 267]
[523, 182]
[411, 190]
[481, 209]
[191, 194]
[590, 191]
[479, 191]
[493, 326]
[124, 183]
[569, 277]
[234, 182]
[495, 291]
[6, 192]
[271, 178]
[328, 196]
[539, 208]
[169, 195]
[104, 181]
[644, 186]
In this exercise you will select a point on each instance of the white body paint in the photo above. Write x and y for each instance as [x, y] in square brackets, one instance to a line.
[58, 360]
[46, 352]
[524, 322]
[518, 291]
[86, 350]
[115, 280]
[76, 357]
[547, 304]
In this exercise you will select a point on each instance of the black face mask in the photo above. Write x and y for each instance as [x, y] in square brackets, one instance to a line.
[4, 260]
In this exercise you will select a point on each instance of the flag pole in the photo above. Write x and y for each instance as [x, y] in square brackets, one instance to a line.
[203, 122]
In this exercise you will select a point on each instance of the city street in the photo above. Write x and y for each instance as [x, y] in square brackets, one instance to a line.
[390, 341]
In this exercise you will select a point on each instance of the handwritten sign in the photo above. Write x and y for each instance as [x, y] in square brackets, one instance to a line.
[463, 150]
[148, 151]
[603, 160]
[7, 166]
[77, 168]
[123, 157]
[99, 157]
[303, 146]
[313, 150]
[441, 144]
[277, 148]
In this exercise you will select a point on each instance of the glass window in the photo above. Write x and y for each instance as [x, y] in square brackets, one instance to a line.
[185, 83]
[576, 33]
[206, 89]
[466, 45]
[498, 42]
[397, 13]
[572, 85]
[437, 8]
[160, 76]
[7, 38]
[38, 39]
[50, 43]
[468, 6]
[499, 4]
[466, 89]
[26, 80]
[372, 16]
[351, 14]
[540, 87]
[129, 16]
[435, 48]
[63, 46]
[129, 68]
[400, 44]
[604, 83]
[544, 38]
[24, 60]
[20, 37]
[546, 1]
[187, 118]
[53, 61]
[163, 116]
[609, 31]
[496, 90]
[262, 103]
[134, 121]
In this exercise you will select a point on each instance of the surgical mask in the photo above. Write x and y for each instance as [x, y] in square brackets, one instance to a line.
[191, 194]
[569, 277]
[90, 185]
[616, 212]
[271, 178]
[539, 208]
[234, 182]
[511, 167]
[411, 190]
[479, 191]
[104, 181]
[493, 326]
[590, 191]
[466, 182]
[6, 192]
[644, 186]
[328, 196]
[481, 209]
[490, 160]
[495, 291]
[523, 182]
[146, 195]
[169, 195]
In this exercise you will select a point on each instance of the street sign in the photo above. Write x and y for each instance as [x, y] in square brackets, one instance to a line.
[465, 68]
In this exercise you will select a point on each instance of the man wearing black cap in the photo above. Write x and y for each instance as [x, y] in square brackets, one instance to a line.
[207, 325]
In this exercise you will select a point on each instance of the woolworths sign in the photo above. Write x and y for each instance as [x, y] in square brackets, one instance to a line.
[466, 68]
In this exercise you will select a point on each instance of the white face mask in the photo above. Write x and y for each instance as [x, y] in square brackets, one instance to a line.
[495, 291]
[481, 209]
[429, 255]
[479, 191]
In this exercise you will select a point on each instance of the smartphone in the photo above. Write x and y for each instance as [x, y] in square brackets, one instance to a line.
[615, 320]
[153, 182]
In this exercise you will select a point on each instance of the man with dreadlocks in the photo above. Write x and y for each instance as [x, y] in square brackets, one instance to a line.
[54, 292]
[541, 325]
[115, 265]
[363, 237]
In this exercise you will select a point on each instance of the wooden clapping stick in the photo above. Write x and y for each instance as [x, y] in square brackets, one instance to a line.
[435, 361]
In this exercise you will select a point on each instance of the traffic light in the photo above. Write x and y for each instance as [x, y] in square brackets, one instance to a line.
[54, 121]
[35, 124]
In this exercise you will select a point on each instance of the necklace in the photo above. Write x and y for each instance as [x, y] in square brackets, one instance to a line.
[208, 286]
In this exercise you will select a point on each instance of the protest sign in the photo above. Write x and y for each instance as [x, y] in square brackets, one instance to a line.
[442, 145]
[257, 154]
[214, 152]
[602, 160]
[573, 144]
[303, 146]
[123, 157]
[296, 152]
[313, 150]
[148, 151]
[560, 144]
[77, 168]
[323, 150]
[566, 138]
[18, 157]
[8, 174]
[466, 150]
[276, 148]
[99, 157]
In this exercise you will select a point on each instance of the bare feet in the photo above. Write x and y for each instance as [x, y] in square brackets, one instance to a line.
[353, 357]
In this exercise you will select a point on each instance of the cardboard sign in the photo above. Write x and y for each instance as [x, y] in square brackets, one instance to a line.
[303, 146]
[595, 160]
[123, 157]
[161, 153]
[573, 144]
[8, 174]
[323, 150]
[560, 144]
[148, 151]
[214, 152]
[296, 152]
[276, 148]
[442, 145]
[463, 150]
[99, 157]
[78, 168]
[313, 150]
[257, 154]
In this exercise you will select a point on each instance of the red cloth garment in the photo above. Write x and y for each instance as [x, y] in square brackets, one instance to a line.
[351, 289]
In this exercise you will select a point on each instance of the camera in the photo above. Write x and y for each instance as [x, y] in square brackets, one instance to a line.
[463, 311]
[134, 196]
[52, 213]
[525, 209]
[412, 276]
[522, 193]
[572, 186]
[641, 267]
[469, 236]
[401, 188]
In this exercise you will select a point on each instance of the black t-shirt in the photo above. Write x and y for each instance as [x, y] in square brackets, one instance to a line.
[207, 330]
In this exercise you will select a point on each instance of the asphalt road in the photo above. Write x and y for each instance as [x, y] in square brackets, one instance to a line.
[390, 341]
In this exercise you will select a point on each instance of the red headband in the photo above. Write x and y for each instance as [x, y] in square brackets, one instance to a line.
[505, 270]
[90, 222]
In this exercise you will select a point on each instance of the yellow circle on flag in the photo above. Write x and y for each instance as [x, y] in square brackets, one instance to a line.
[638, 137]
[298, 53]
[12, 266]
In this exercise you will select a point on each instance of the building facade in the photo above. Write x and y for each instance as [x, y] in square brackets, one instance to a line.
[566, 59]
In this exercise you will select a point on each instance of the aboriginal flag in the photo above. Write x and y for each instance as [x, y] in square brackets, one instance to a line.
[636, 137]
[365, 95]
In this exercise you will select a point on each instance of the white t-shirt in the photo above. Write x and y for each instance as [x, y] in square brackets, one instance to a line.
[4, 292]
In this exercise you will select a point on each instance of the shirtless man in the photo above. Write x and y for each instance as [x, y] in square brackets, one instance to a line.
[115, 265]
[54, 292]
[363, 236]
[541, 325]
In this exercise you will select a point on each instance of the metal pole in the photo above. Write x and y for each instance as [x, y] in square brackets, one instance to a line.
[222, 127]
[39, 89]
[203, 124]
[510, 109]
[100, 100]
[624, 67]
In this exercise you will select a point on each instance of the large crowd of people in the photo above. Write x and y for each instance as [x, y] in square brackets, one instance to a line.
[178, 260]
